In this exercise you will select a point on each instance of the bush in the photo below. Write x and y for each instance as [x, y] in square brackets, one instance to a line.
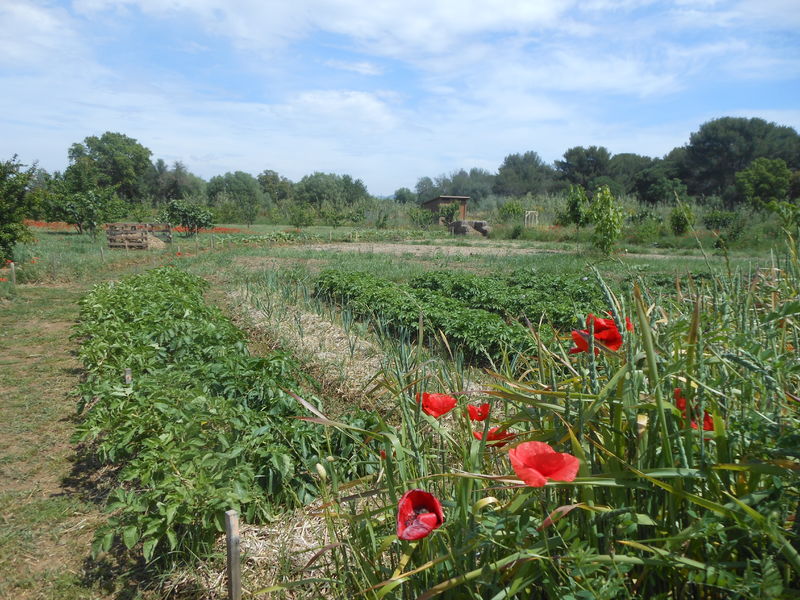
[718, 219]
[681, 218]
[512, 211]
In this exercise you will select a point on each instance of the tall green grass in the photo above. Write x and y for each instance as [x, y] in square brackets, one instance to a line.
[659, 509]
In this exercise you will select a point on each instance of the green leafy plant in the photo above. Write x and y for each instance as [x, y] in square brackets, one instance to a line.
[608, 217]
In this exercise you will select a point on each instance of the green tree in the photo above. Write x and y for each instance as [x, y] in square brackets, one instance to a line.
[654, 187]
[764, 181]
[87, 210]
[521, 174]
[581, 166]
[189, 214]
[404, 195]
[14, 180]
[608, 217]
[240, 188]
[426, 189]
[623, 169]
[172, 183]
[723, 147]
[120, 162]
[274, 185]
[578, 208]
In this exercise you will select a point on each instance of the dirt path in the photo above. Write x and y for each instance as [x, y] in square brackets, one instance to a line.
[45, 528]
[498, 248]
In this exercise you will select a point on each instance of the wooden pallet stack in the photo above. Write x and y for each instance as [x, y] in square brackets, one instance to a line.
[135, 236]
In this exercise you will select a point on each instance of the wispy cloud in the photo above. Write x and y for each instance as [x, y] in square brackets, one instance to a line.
[391, 90]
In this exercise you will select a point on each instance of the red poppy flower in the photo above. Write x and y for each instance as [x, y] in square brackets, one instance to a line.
[418, 513]
[536, 462]
[436, 405]
[179, 254]
[499, 436]
[605, 332]
[478, 413]
[681, 404]
[3, 279]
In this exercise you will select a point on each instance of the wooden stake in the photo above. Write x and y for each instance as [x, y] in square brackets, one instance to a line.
[234, 566]
[13, 273]
[128, 376]
[102, 254]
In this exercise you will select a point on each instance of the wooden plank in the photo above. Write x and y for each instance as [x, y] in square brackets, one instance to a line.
[233, 566]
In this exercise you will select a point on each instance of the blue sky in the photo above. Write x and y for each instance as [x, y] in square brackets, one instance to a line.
[387, 90]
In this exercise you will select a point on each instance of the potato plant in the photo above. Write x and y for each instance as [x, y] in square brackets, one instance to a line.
[203, 427]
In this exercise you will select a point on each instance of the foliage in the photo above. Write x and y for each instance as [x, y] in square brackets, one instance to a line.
[511, 211]
[716, 219]
[190, 215]
[681, 218]
[203, 428]
[764, 181]
[480, 334]
[240, 188]
[521, 174]
[555, 299]
[87, 211]
[404, 195]
[654, 187]
[582, 166]
[275, 186]
[625, 167]
[120, 162]
[578, 207]
[165, 183]
[420, 217]
[14, 206]
[300, 215]
[448, 212]
[723, 147]
[608, 217]
[658, 509]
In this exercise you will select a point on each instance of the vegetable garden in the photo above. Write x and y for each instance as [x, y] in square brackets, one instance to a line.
[533, 434]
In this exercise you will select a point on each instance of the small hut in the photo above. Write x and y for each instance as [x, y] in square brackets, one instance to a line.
[433, 205]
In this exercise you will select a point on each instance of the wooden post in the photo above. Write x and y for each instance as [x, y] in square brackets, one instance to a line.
[197, 243]
[128, 376]
[102, 254]
[13, 268]
[234, 566]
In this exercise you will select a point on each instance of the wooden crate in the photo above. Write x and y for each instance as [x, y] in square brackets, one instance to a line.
[135, 236]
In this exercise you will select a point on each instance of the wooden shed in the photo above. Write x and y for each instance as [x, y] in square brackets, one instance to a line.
[433, 205]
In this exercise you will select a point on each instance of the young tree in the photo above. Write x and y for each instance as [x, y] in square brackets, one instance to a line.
[14, 180]
[607, 216]
[87, 210]
[191, 215]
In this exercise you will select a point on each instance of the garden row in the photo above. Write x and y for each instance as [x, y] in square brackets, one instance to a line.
[202, 427]
[485, 317]
[481, 335]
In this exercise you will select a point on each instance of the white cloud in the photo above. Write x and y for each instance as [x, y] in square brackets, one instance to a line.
[361, 67]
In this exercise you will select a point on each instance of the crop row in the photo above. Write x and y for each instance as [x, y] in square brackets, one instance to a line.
[557, 299]
[479, 333]
[203, 427]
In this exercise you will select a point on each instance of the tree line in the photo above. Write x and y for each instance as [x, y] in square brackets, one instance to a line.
[730, 162]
